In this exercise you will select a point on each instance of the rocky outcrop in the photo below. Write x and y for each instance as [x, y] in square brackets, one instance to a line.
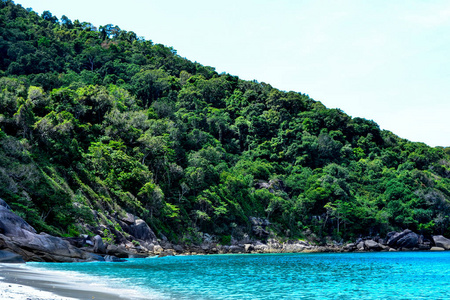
[441, 242]
[404, 239]
[18, 237]
[20, 240]
[137, 228]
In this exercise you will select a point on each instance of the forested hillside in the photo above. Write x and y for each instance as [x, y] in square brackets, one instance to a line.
[97, 121]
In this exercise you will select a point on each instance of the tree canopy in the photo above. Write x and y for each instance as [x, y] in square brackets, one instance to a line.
[95, 121]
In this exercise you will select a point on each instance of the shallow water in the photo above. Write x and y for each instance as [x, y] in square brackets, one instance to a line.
[386, 275]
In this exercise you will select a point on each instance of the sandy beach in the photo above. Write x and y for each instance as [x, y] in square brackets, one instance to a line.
[21, 282]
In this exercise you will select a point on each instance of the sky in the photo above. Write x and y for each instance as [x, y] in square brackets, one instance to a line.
[387, 61]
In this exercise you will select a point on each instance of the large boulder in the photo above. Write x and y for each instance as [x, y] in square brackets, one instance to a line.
[441, 241]
[19, 237]
[43, 247]
[11, 224]
[99, 247]
[118, 251]
[137, 228]
[372, 245]
[360, 246]
[404, 239]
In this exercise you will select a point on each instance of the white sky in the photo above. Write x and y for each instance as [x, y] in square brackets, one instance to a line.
[388, 61]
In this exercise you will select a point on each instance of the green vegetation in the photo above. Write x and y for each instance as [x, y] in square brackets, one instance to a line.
[95, 121]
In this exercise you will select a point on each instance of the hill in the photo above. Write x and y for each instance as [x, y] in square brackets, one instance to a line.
[97, 122]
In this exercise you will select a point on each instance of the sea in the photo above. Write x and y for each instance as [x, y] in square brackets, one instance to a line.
[373, 275]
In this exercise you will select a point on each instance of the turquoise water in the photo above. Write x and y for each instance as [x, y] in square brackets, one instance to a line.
[387, 275]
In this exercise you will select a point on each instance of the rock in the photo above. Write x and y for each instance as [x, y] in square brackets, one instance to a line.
[97, 257]
[294, 247]
[11, 224]
[76, 241]
[392, 250]
[110, 258]
[360, 246]
[404, 239]
[236, 249]
[134, 255]
[426, 246]
[384, 247]
[372, 245]
[166, 253]
[441, 241]
[261, 248]
[4, 204]
[9, 257]
[19, 237]
[166, 244]
[99, 247]
[349, 247]
[437, 249]
[248, 248]
[137, 228]
[128, 218]
[157, 249]
[118, 251]
[178, 248]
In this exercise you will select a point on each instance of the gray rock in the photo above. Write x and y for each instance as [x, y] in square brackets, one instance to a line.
[248, 247]
[441, 241]
[360, 246]
[4, 204]
[128, 218]
[424, 246]
[110, 258]
[11, 258]
[99, 247]
[349, 247]
[437, 249]
[11, 224]
[97, 257]
[260, 247]
[236, 249]
[178, 248]
[404, 239]
[166, 253]
[118, 251]
[139, 230]
[19, 237]
[372, 245]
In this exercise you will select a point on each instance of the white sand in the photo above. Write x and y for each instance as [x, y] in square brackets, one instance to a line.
[22, 292]
[19, 281]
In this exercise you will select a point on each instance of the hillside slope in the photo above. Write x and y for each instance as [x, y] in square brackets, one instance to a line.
[97, 121]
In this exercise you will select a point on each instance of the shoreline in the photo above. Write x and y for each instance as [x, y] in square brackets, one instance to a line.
[18, 281]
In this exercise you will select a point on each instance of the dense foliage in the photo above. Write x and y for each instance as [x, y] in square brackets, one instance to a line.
[95, 121]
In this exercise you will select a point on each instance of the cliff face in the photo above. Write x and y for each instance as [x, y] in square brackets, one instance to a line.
[104, 133]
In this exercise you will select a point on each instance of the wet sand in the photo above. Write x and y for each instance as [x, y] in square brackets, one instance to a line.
[20, 282]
